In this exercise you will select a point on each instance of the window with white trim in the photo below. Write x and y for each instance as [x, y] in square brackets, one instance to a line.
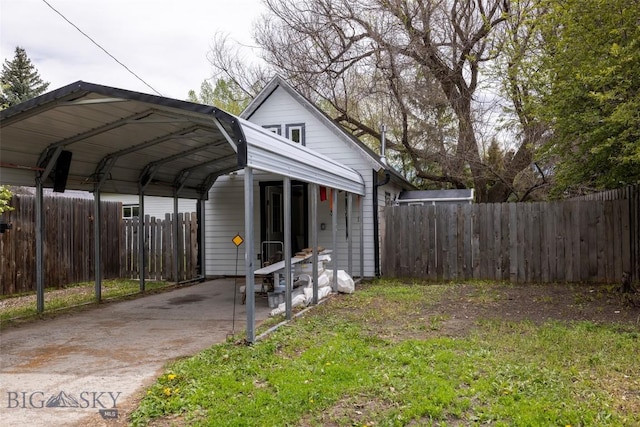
[295, 132]
[274, 128]
[130, 211]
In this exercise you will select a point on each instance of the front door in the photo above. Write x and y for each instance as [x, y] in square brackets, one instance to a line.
[272, 218]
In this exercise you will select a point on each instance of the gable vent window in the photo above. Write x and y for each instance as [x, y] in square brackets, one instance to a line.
[295, 132]
[274, 128]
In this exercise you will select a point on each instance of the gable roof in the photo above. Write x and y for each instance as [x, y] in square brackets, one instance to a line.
[376, 162]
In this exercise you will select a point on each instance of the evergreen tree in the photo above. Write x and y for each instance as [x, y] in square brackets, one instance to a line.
[20, 80]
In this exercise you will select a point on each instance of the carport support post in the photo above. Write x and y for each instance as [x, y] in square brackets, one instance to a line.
[334, 225]
[350, 233]
[361, 203]
[141, 239]
[39, 247]
[201, 247]
[97, 221]
[176, 260]
[248, 254]
[286, 184]
[314, 240]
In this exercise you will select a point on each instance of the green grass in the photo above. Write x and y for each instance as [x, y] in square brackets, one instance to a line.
[356, 361]
[83, 293]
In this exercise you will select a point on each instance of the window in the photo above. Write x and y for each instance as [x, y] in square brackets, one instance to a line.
[295, 132]
[274, 128]
[130, 211]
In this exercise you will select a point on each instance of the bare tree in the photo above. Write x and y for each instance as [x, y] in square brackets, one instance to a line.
[522, 83]
[232, 66]
[416, 65]
[406, 46]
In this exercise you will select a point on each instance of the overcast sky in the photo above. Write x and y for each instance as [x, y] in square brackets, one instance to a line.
[165, 42]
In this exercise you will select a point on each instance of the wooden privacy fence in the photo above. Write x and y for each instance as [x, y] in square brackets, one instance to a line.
[572, 241]
[68, 243]
[160, 236]
[630, 194]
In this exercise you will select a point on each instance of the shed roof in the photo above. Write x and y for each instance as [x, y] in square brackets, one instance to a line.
[436, 195]
[123, 142]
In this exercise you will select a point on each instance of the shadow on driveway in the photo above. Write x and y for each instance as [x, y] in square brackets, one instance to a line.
[77, 367]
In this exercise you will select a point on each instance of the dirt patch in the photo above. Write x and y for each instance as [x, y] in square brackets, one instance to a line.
[459, 308]
[463, 305]
[356, 410]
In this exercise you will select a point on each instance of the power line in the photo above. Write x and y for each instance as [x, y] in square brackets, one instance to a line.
[103, 49]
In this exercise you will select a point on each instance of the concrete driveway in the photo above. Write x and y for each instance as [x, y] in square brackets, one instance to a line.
[78, 368]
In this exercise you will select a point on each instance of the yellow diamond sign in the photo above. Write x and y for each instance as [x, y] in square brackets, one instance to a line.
[237, 240]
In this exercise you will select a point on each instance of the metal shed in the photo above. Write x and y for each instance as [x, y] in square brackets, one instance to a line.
[96, 138]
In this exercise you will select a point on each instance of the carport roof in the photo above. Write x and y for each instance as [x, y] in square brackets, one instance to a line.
[123, 141]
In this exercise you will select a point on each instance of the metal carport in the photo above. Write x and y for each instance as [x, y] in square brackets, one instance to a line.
[90, 137]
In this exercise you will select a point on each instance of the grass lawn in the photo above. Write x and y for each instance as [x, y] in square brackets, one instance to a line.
[395, 354]
[24, 306]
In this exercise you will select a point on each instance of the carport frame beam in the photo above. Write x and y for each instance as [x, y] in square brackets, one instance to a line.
[39, 247]
[97, 220]
[361, 206]
[350, 233]
[314, 240]
[334, 233]
[248, 254]
[141, 240]
[176, 255]
[286, 184]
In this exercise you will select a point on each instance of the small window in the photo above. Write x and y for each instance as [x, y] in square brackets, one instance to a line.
[295, 132]
[274, 128]
[130, 211]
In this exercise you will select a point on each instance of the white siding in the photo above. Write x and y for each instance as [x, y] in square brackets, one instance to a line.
[153, 206]
[225, 218]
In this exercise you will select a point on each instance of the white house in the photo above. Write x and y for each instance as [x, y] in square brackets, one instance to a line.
[281, 109]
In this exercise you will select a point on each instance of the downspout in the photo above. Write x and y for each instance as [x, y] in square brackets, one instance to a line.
[376, 184]
[376, 228]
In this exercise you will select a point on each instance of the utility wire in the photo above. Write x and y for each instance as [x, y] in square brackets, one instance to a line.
[103, 49]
